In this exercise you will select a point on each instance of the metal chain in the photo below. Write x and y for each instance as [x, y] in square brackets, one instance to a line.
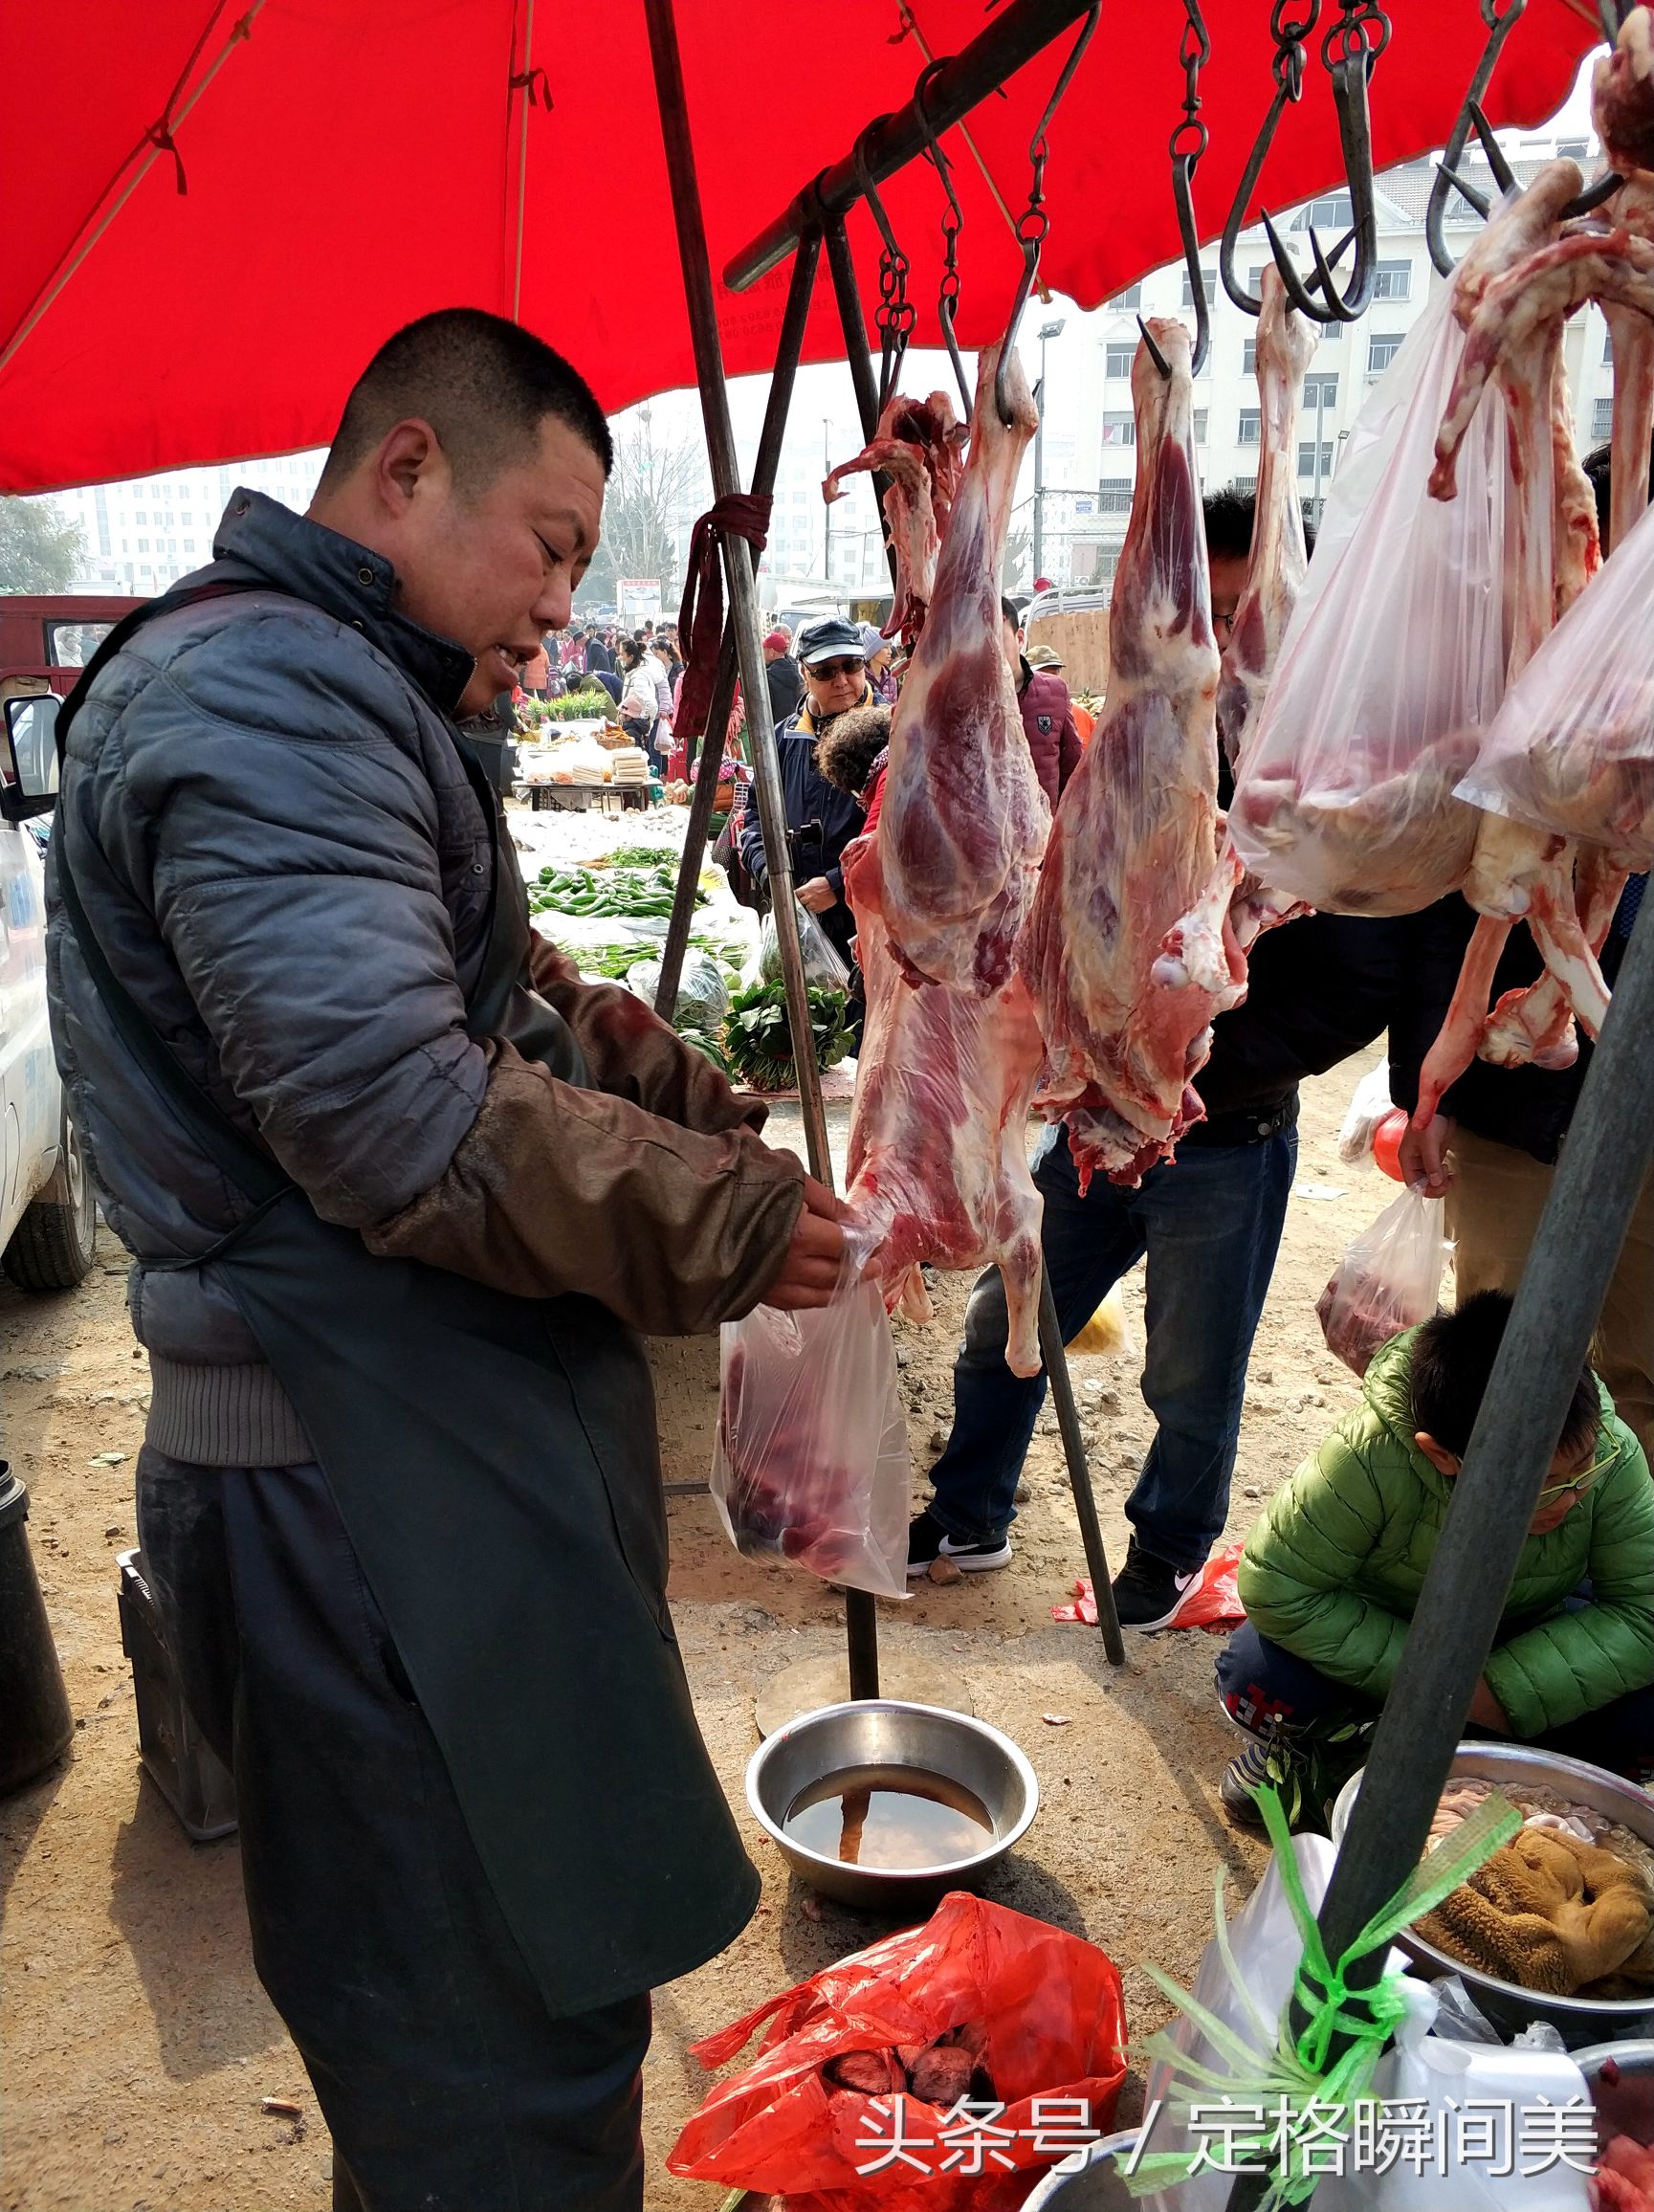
[1362, 27]
[1291, 33]
[1191, 138]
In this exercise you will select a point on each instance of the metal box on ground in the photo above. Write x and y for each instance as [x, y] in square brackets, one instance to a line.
[176, 1756]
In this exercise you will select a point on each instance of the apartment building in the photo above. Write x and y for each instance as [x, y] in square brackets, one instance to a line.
[144, 533]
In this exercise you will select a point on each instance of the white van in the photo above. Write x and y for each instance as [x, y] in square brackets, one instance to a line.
[48, 1213]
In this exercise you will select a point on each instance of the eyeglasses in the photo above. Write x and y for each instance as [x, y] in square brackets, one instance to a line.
[1578, 1484]
[824, 670]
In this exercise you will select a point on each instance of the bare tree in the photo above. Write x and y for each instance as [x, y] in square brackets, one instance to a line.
[1017, 550]
[656, 484]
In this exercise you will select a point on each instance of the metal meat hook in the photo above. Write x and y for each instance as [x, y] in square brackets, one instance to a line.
[1500, 24]
[894, 314]
[1349, 58]
[1289, 35]
[953, 222]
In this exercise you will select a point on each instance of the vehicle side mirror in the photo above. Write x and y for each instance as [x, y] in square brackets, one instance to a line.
[29, 767]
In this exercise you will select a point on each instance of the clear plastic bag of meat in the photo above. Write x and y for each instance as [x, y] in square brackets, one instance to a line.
[1393, 661]
[1571, 748]
[824, 964]
[811, 1463]
[1390, 1279]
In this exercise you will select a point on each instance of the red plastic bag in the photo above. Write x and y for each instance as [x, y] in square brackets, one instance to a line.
[1213, 1602]
[1390, 1279]
[1055, 2027]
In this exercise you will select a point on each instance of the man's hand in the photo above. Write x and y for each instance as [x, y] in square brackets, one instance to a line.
[1485, 1711]
[809, 1273]
[1423, 1152]
[817, 894]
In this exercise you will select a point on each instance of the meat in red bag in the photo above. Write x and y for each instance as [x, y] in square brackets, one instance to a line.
[1039, 2012]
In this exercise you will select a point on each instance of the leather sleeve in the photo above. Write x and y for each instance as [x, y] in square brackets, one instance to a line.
[631, 1053]
[557, 1189]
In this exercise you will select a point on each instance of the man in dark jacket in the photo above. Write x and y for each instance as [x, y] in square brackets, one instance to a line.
[1209, 1224]
[598, 656]
[1492, 1148]
[406, 1191]
[781, 675]
[1047, 717]
[821, 820]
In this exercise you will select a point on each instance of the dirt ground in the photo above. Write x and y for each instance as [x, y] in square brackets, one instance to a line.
[136, 2044]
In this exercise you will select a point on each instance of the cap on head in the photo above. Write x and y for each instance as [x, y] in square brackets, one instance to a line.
[832, 639]
[1042, 656]
[778, 641]
[873, 641]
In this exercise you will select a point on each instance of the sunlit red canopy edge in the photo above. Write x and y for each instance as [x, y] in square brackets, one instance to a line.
[215, 209]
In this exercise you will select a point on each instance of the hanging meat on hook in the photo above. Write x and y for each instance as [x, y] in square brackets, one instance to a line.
[1276, 565]
[937, 1143]
[1129, 952]
[920, 449]
[964, 820]
[1623, 95]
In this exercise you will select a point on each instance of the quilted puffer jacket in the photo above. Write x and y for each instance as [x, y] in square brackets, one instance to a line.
[1333, 1569]
[273, 830]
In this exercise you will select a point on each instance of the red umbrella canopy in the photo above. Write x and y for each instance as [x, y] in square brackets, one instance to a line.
[220, 208]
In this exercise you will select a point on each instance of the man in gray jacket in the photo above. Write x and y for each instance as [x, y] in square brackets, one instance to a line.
[401, 1190]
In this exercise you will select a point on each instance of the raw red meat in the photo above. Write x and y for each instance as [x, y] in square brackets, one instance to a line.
[1129, 951]
[1623, 95]
[963, 820]
[917, 447]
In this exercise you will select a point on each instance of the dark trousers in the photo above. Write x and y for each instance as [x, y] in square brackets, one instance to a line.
[1262, 1683]
[1210, 1223]
[446, 2084]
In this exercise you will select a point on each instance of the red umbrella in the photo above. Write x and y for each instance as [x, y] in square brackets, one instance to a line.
[228, 210]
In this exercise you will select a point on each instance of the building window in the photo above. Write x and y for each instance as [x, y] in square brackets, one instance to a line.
[1333, 212]
[1602, 418]
[1245, 481]
[1115, 495]
[1250, 430]
[1607, 345]
[1573, 149]
[1307, 460]
[1120, 430]
[1322, 390]
[1203, 417]
[141, 521]
[1250, 358]
[1123, 301]
[1393, 280]
[1382, 347]
[143, 544]
[1208, 284]
[188, 544]
[1117, 360]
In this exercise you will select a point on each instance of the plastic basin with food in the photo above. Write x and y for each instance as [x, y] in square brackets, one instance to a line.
[888, 1805]
[1579, 2019]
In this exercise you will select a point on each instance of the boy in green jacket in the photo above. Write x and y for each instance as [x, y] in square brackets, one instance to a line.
[1331, 1574]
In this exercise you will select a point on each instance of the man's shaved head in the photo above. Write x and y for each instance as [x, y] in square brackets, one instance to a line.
[484, 385]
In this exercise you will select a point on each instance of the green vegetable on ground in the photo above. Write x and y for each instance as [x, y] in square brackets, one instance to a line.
[632, 892]
[757, 1043]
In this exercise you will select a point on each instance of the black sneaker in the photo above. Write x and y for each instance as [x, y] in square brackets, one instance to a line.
[927, 1540]
[1148, 1591]
[1295, 1769]
[1242, 1778]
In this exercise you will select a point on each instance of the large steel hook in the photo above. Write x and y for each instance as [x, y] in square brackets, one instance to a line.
[953, 222]
[1290, 33]
[1033, 222]
[894, 314]
[1189, 141]
[1500, 24]
[1349, 50]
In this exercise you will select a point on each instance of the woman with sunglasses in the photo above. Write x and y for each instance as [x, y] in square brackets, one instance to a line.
[1331, 1572]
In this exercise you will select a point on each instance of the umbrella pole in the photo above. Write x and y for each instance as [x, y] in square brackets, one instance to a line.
[1548, 1335]
[861, 1620]
[764, 473]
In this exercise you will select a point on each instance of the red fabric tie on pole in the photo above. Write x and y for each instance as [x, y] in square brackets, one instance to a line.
[700, 617]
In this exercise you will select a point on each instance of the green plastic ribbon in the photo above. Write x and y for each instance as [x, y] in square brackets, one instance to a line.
[1278, 2071]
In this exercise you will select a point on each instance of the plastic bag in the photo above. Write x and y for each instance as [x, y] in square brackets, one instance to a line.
[1571, 748]
[1393, 661]
[811, 1461]
[1389, 1279]
[1054, 2022]
[702, 994]
[1212, 1602]
[1369, 1103]
[824, 964]
[1109, 1332]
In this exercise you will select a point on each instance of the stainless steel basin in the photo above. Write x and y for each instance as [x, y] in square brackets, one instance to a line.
[1579, 2020]
[885, 1732]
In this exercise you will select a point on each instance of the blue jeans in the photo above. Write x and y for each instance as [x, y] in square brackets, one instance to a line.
[1210, 1223]
[1260, 1681]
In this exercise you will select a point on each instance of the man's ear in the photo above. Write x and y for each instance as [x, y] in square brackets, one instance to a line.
[1444, 1461]
[408, 453]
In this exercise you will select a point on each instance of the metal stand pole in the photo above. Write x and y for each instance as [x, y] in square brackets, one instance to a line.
[861, 1622]
[769, 445]
[1054, 1353]
[1546, 1342]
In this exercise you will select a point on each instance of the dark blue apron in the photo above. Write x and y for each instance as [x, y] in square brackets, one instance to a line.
[495, 1464]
